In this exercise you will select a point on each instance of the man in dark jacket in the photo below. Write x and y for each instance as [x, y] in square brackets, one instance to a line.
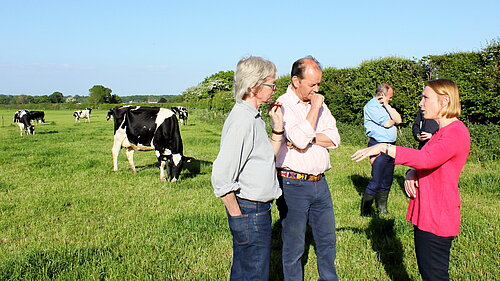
[423, 129]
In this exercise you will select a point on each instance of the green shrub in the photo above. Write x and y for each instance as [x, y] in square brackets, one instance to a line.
[485, 143]
[348, 90]
[484, 147]
[223, 101]
[476, 74]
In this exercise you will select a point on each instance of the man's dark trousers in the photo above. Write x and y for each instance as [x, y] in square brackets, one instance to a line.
[307, 202]
[382, 172]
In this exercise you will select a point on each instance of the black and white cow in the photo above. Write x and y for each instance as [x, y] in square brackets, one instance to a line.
[80, 114]
[182, 112]
[37, 116]
[118, 111]
[148, 128]
[22, 118]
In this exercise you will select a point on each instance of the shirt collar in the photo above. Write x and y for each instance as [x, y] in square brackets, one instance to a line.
[247, 106]
[292, 96]
[377, 102]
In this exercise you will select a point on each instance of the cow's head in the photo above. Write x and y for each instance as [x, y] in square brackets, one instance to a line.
[110, 114]
[30, 130]
[175, 162]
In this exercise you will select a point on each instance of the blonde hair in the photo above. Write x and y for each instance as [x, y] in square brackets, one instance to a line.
[449, 88]
[250, 72]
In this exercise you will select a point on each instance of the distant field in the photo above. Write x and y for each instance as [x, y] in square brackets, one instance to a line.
[65, 215]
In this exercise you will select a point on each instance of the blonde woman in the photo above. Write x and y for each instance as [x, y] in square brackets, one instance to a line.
[432, 183]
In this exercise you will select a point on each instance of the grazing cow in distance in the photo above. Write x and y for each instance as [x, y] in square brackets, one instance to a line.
[22, 118]
[80, 114]
[182, 112]
[37, 116]
[139, 128]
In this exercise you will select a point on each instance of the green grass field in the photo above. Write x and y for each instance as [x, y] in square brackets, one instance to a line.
[65, 215]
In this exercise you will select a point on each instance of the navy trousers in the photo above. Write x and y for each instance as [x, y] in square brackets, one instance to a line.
[433, 255]
[382, 172]
[307, 202]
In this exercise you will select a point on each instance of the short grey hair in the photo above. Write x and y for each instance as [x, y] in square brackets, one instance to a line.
[382, 89]
[250, 72]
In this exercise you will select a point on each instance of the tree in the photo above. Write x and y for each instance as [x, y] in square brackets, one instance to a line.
[80, 99]
[99, 94]
[7, 99]
[56, 97]
[220, 81]
[43, 99]
[22, 99]
[115, 99]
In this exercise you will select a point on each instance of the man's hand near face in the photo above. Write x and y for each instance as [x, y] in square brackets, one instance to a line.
[317, 101]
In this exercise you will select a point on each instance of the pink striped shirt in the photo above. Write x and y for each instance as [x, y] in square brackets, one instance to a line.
[308, 158]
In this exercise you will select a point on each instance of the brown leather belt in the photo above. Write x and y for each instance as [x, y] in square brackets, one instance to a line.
[299, 176]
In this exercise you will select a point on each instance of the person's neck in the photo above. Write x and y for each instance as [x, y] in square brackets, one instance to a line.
[294, 90]
[443, 122]
[253, 102]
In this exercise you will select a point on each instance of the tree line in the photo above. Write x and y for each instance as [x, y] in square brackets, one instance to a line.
[347, 90]
[98, 94]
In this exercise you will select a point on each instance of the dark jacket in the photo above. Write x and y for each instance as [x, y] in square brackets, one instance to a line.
[422, 125]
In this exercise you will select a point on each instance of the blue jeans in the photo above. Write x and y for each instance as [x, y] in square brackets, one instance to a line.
[307, 202]
[251, 241]
[382, 172]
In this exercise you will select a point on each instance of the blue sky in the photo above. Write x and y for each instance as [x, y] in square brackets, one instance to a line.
[164, 47]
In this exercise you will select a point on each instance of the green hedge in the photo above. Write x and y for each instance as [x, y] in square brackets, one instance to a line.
[348, 90]
[477, 75]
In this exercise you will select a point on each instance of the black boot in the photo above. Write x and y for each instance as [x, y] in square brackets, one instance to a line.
[366, 205]
[381, 199]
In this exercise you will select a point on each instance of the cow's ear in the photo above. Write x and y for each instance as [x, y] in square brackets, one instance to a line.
[166, 157]
[188, 159]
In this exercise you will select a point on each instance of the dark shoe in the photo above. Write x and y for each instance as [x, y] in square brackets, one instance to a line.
[381, 199]
[366, 205]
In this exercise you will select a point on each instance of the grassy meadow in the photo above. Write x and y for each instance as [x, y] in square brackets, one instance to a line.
[65, 215]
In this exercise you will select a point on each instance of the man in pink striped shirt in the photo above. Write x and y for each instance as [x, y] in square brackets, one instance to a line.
[310, 131]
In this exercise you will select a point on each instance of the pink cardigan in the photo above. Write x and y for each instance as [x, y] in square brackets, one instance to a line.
[436, 208]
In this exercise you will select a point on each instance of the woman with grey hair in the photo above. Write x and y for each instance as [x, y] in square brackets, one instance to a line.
[244, 173]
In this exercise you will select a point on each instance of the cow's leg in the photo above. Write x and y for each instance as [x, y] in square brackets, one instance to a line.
[130, 157]
[162, 166]
[21, 128]
[115, 151]
[162, 170]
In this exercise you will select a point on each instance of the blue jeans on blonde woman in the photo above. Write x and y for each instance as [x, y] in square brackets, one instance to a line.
[251, 241]
[307, 202]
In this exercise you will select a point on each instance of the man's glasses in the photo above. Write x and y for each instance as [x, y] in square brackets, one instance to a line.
[273, 86]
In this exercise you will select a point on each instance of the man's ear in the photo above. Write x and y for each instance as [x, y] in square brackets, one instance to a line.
[295, 81]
